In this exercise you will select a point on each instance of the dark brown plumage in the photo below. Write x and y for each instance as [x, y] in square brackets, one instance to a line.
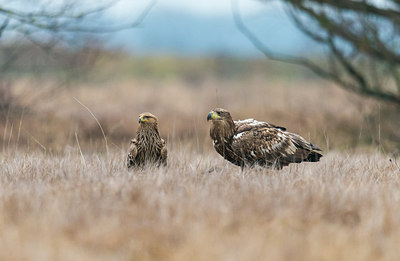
[147, 148]
[251, 142]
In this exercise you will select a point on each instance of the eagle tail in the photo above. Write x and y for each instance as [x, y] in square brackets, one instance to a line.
[313, 147]
[313, 156]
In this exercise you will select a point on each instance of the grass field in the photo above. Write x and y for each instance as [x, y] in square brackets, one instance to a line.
[71, 207]
[65, 193]
[48, 117]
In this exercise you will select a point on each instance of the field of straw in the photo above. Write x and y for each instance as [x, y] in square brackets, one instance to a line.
[65, 193]
[67, 207]
[51, 118]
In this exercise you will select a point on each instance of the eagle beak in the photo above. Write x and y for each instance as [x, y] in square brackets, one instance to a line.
[140, 119]
[212, 115]
[209, 116]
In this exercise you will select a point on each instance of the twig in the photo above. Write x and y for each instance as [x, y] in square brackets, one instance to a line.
[360, 85]
[57, 25]
[4, 26]
[276, 56]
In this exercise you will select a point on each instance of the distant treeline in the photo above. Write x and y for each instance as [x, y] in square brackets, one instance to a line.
[29, 60]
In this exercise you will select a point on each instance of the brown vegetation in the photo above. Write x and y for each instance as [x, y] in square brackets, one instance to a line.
[45, 112]
[200, 207]
[64, 197]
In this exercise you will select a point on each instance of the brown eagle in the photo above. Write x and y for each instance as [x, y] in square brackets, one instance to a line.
[147, 148]
[250, 142]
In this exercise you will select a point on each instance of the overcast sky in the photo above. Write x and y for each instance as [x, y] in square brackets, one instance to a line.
[198, 7]
[190, 27]
[206, 27]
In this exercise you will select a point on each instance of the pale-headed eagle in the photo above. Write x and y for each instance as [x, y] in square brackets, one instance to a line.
[147, 148]
[250, 142]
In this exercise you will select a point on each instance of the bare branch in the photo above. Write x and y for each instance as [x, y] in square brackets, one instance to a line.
[360, 7]
[352, 71]
[47, 27]
[4, 26]
[359, 41]
[276, 56]
[352, 32]
[63, 21]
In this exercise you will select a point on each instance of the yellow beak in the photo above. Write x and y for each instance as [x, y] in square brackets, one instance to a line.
[141, 119]
[212, 115]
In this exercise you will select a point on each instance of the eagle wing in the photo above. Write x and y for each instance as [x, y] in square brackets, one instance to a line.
[272, 146]
[133, 151]
[164, 153]
[248, 124]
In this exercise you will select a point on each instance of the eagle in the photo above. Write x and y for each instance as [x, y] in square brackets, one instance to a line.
[249, 143]
[148, 148]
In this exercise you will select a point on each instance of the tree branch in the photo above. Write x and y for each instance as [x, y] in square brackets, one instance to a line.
[66, 22]
[359, 7]
[365, 42]
[270, 54]
[4, 26]
[359, 41]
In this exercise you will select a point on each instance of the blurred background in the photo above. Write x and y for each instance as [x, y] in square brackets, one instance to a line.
[328, 70]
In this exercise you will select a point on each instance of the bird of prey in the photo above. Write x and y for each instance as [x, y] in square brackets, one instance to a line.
[148, 148]
[250, 142]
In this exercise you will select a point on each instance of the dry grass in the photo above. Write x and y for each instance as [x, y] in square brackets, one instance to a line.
[63, 198]
[328, 116]
[347, 207]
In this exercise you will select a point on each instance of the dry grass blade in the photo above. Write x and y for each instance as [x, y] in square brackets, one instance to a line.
[97, 121]
[37, 142]
[80, 150]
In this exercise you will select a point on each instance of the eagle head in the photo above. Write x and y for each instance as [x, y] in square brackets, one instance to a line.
[219, 114]
[147, 118]
[222, 126]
